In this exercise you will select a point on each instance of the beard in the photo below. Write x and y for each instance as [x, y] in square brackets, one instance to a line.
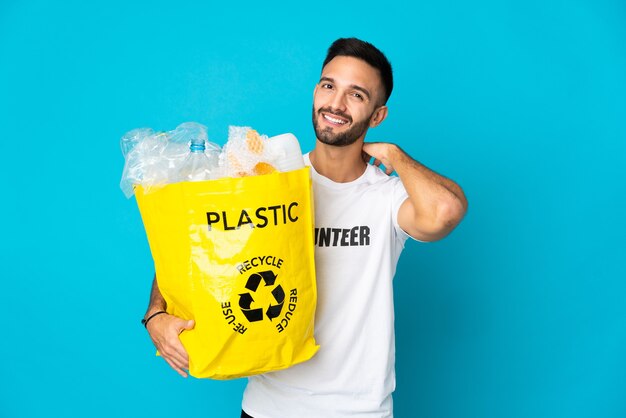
[349, 137]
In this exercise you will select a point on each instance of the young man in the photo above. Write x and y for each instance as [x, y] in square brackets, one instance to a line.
[353, 373]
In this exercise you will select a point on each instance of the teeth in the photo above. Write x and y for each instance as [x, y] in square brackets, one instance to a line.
[334, 120]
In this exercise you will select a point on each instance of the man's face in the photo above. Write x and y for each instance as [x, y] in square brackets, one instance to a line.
[344, 100]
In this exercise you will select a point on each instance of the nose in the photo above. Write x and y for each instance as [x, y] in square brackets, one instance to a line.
[338, 102]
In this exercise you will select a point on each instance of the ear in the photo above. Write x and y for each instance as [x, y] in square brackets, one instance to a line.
[378, 116]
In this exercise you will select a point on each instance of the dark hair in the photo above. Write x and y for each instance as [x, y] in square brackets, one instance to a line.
[353, 47]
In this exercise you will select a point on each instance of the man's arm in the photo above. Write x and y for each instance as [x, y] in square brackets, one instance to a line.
[164, 331]
[435, 205]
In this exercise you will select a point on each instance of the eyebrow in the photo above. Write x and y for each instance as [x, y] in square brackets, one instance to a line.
[352, 86]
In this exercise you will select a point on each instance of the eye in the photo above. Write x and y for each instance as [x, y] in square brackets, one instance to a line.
[327, 86]
[358, 96]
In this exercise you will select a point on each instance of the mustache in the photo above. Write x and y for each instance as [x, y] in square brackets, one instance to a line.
[335, 112]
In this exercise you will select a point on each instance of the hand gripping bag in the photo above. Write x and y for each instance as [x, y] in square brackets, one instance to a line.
[236, 255]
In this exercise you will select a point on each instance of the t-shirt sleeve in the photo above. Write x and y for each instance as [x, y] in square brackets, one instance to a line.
[399, 195]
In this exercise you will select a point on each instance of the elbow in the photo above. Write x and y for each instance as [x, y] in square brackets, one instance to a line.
[449, 214]
[453, 209]
[445, 218]
[438, 221]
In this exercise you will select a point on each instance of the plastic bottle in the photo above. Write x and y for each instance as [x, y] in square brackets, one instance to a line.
[197, 166]
[286, 150]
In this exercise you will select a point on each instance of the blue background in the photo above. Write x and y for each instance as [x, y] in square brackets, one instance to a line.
[519, 313]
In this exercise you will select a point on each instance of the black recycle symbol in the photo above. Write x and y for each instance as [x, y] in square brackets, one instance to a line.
[246, 299]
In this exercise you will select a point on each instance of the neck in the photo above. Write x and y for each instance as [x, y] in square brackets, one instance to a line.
[339, 164]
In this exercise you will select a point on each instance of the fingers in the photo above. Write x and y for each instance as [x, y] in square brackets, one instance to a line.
[380, 153]
[388, 167]
[173, 350]
[174, 366]
[164, 333]
[187, 325]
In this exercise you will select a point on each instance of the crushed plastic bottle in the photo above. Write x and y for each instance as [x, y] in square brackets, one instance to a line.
[142, 150]
[197, 166]
[154, 159]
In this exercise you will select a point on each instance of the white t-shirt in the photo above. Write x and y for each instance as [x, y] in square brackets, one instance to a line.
[357, 246]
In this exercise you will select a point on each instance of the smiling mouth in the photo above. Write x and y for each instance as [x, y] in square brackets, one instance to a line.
[334, 119]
